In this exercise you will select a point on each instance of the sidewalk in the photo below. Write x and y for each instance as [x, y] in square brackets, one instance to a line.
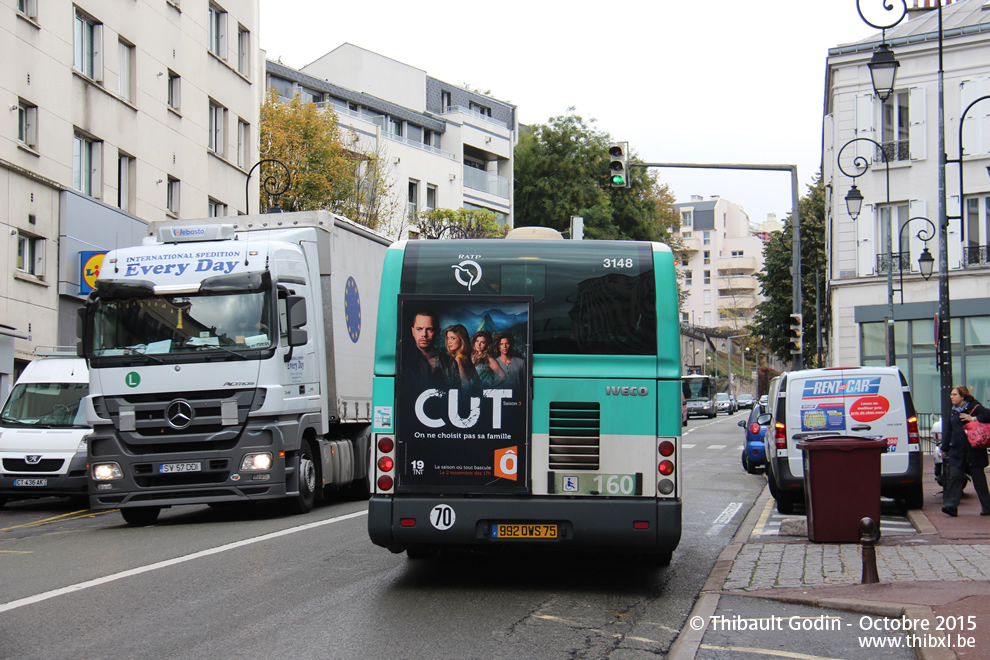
[943, 571]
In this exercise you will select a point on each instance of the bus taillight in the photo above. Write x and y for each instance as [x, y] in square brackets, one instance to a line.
[666, 448]
[384, 482]
[386, 444]
[780, 435]
[385, 464]
[666, 468]
[913, 437]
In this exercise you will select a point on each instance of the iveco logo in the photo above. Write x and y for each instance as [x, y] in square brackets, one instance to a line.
[614, 390]
[32, 459]
[179, 414]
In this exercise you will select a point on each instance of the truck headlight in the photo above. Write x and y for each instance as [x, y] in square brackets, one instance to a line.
[261, 461]
[107, 472]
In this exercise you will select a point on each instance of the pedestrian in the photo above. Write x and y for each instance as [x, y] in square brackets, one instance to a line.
[960, 457]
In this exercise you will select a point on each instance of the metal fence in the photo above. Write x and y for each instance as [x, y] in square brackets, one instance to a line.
[925, 421]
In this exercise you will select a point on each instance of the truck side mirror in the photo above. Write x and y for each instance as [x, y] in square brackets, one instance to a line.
[295, 312]
[80, 331]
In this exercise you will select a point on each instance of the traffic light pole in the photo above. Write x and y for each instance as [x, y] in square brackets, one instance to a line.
[798, 359]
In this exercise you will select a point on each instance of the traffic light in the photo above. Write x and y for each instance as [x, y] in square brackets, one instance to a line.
[794, 333]
[619, 166]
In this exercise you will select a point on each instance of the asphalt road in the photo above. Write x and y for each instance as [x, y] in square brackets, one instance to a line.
[248, 581]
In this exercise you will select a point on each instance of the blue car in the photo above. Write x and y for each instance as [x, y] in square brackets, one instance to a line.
[754, 454]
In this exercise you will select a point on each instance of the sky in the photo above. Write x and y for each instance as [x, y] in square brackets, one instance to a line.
[683, 81]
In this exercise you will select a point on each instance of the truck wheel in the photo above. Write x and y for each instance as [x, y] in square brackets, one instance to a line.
[141, 516]
[3, 500]
[915, 497]
[303, 502]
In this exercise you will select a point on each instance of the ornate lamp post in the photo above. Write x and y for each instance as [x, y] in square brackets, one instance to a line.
[925, 261]
[271, 183]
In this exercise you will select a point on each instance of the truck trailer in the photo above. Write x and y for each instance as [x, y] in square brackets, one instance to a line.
[231, 360]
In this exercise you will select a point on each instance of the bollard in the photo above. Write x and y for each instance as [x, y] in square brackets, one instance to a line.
[868, 541]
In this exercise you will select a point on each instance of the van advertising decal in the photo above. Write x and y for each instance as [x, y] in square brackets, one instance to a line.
[869, 408]
[463, 393]
[831, 388]
[823, 417]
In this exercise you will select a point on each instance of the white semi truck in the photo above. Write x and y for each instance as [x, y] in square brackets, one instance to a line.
[231, 360]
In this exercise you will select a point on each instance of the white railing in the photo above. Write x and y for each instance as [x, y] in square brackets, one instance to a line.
[475, 114]
[489, 183]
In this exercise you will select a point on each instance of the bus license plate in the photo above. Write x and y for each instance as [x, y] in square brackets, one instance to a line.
[168, 468]
[31, 482]
[523, 531]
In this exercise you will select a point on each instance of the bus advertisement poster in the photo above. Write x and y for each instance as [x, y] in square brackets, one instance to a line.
[462, 393]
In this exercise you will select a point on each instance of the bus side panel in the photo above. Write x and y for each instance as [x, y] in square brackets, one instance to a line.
[668, 322]
[388, 305]
[616, 419]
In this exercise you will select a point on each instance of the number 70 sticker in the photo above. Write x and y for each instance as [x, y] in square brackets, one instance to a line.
[442, 516]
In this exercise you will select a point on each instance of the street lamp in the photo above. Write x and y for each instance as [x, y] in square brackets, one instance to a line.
[926, 261]
[272, 184]
[854, 204]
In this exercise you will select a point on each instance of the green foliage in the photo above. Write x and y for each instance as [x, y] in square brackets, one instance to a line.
[771, 318]
[460, 223]
[561, 170]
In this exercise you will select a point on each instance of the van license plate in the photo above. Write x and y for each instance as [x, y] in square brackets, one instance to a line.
[31, 482]
[168, 468]
[523, 531]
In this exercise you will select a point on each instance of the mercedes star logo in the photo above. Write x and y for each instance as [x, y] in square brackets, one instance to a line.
[179, 414]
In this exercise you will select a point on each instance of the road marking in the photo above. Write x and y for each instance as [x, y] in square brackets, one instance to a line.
[75, 515]
[764, 516]
[30, 600]
[688, 446]
[16, 552]
[766, 652]
[716, 446]
[723, 518]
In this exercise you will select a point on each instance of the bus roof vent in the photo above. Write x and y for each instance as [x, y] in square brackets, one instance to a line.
[575, 435]
[535, 232]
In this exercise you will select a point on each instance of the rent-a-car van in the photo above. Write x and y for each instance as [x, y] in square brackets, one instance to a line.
[43, 429]
[863, 402]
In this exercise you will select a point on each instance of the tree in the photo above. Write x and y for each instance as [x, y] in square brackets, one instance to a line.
[460, 223]
[772, 315]
[325, 174]
[561, 170]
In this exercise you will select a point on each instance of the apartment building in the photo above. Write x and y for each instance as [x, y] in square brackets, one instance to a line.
[721, 256]
[118, 112]
[444, 146]
[899, 138]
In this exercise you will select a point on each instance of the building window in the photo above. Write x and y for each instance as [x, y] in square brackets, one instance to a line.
[217, 209]
[217, 117]
[708, 319]
[218, 32]
[708, 296]
[445, 102]
[395, 126]
[413, 198]
[172, 196]
[125, 80]
[707, 255]
[896, 127]
[708, 238]
[243, 143]
[900, 218]
[174, 87]
[243, 51]
[31, 254]
[977, 245]
[125, 178]
[686, 219]
[688, 277]
[708, 277]
[737, 253]
[88, 58]
[480, 109]
[431, 197]
[86, 165]
[28, 8]
[27, 123]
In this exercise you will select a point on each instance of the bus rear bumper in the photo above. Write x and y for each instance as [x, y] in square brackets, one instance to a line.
[625, 525]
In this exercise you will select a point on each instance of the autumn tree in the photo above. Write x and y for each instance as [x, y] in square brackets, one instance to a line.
[460, 223]
[771, 320]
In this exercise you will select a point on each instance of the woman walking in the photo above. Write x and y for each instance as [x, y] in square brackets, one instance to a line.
[962, 459]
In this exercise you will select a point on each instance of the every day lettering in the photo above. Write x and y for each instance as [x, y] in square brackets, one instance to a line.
[177, 269]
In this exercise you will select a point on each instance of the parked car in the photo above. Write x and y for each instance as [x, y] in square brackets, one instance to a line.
[724, 403]
[763, 400]
[747, 401]
[859, 402]
[754, 453]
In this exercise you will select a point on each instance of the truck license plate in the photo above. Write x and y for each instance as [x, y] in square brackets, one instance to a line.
[523, 531]
[168, 468]
[31, 482]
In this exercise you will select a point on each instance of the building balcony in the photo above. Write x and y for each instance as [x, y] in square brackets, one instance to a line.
[691, 244]
[901, 261]
[490, 183]
[976, 256]
[475, 116]
[737, 263]
[738, 302]
[747, 283]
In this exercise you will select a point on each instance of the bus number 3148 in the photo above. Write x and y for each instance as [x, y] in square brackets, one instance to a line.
[615, 484]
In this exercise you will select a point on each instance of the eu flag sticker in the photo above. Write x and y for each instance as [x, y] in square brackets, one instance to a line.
[352, 309]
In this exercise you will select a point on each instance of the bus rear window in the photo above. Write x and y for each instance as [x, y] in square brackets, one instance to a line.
[593, 298]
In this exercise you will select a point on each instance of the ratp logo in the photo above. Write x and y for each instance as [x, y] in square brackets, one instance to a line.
[469, 269]
[506, 463]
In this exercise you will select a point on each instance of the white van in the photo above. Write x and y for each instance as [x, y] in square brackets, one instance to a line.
[43, 428]
[865, 402]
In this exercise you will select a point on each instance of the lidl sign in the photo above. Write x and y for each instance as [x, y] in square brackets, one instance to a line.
[90, 263]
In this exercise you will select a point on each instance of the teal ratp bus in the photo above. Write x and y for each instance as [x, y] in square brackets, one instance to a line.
[527, 392]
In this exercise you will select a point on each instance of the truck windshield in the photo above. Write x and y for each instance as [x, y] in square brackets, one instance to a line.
[171, 324]
[46, 405]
